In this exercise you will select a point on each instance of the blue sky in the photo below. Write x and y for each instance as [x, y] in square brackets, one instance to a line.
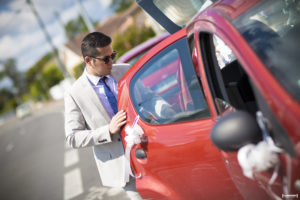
[20, 35]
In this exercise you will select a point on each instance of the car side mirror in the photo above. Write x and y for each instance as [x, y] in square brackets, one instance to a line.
[235, 130]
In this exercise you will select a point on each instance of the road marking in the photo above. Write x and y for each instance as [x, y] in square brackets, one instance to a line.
[71, 157]
[72, 184]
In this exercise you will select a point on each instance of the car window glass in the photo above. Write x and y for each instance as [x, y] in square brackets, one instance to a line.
[272, 29]
[228, 81]
[179, 11]
[223, 52]
[166, 89]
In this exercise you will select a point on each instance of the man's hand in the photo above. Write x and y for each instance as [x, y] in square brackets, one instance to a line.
[117, 122]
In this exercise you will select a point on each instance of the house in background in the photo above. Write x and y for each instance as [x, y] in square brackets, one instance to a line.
[70, 53]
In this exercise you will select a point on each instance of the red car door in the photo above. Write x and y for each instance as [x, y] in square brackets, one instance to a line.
[241, 79]
[176, 159]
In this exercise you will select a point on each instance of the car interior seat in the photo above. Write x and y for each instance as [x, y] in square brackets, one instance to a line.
[238, 88]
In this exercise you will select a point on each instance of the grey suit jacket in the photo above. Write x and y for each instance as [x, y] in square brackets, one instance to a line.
[87, 124]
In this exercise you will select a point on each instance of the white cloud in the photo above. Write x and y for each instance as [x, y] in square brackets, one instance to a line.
[21, 36]
[28, 48]
[58, 40]
[94, 9]
[7, 49]
[11, 46]
[6, 17]
[15, 5]
[47, 9]
[12, 21]
[27, 60]
[25, 22]
[105, 3]
[69, 13]
[54, 29]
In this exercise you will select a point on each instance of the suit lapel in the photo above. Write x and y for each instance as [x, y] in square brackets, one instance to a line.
[89, 100]
[90, 97]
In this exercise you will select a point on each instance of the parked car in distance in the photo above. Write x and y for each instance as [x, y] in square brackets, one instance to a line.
[137, 52]
[23, 110]
[233, 57]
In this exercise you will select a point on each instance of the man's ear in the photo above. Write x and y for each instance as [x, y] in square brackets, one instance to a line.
[87, 59]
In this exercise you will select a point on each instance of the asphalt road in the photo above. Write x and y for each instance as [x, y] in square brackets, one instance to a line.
[35, 163]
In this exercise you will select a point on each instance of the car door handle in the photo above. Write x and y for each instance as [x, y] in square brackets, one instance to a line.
[140, 153]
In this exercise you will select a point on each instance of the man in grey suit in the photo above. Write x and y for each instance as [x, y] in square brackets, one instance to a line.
[91, 116]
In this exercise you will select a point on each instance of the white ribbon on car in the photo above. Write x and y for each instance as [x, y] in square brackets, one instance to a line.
[258, 157]
[262, 156]
[133, 136]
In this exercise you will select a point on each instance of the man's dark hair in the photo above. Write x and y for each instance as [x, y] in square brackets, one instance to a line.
[92, 41]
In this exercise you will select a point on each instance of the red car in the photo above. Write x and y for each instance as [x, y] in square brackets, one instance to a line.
[234, 81]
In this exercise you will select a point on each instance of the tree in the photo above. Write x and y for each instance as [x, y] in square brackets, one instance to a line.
[78, 69]
[42, 76]
[38, 91]
[10, 70]
[120, 5]
[52, 75]
[75, 27]
[133, 36]
[7, 101]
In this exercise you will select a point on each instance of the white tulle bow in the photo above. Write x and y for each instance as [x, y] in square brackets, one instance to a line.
[133, 136]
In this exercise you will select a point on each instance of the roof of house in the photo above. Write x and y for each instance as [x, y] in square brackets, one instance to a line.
[109, 26]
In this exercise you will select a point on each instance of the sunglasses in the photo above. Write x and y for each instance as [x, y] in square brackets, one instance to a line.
[106, 59]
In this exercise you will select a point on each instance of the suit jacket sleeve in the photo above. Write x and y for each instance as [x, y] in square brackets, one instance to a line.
[78, 134]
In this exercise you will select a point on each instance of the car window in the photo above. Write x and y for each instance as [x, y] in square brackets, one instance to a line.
[179, 11]
[272, 29]
[224, 54]
[229, 83]
[232, 88]
[166, 89]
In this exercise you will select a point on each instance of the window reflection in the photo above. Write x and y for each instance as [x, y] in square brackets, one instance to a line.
[272, 29]
[162, 95]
